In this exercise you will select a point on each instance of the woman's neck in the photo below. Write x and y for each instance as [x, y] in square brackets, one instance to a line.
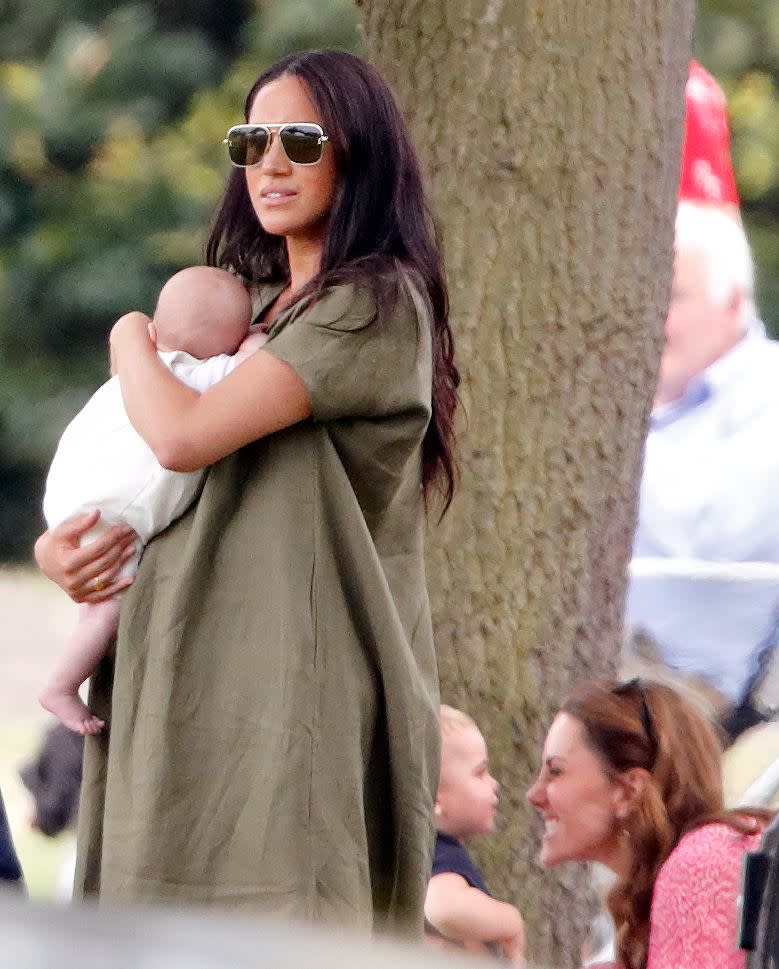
[304, 257]
[616, 853]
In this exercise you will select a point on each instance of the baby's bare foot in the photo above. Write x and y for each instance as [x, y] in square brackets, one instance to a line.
[69, 708]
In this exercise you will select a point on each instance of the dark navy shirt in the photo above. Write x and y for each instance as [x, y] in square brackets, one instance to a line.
[450, 856]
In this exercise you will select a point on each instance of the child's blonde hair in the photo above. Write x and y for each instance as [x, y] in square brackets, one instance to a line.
[453, 720]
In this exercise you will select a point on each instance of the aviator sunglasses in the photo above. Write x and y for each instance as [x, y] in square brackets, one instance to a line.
[302, 141]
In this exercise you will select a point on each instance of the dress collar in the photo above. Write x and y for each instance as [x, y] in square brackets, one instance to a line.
[263, 296]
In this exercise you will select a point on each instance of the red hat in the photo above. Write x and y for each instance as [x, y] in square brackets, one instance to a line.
[707, 172]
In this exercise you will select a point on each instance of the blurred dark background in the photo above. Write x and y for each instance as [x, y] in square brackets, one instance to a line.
[111, 121]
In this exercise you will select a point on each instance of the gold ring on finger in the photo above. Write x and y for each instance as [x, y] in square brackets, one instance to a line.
[98, 585]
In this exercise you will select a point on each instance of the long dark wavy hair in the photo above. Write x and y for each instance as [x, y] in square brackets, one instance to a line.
[380, 224]
[651, 726]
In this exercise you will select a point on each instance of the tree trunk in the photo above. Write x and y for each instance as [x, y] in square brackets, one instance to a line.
[551, 131]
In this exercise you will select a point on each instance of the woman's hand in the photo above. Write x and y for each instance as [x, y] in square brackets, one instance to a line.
[88, 573]
[126, 332]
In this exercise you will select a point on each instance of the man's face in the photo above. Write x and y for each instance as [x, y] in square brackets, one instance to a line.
[698, 330]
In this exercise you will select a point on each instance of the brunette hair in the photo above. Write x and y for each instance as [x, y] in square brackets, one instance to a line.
[380, 224]
[651, 726]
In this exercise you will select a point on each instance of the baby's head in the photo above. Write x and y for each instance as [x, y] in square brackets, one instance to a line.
[467, 793]
[204, 311]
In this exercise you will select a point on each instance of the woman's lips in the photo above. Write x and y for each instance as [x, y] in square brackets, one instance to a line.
[276, 197]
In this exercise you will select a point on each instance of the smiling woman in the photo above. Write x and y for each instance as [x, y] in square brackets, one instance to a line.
[273, 705]
[631, 778]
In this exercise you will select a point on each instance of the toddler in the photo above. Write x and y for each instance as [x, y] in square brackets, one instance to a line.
[201, 329]
[458, 905]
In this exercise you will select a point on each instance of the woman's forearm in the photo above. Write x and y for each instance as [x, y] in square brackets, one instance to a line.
[157, 404]
[187, 430]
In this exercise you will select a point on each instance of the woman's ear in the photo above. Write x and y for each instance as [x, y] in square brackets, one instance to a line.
[630, 787]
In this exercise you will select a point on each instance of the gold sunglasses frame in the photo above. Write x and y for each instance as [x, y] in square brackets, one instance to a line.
[270, 129]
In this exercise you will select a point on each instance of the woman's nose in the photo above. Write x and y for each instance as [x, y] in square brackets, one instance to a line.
[275, 158]
[535, 794]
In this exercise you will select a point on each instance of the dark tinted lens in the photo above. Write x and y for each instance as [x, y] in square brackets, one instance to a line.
[302, 143]
[246, 145]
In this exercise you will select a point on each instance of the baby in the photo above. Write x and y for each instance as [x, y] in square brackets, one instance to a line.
[201, 329]
[459, 909]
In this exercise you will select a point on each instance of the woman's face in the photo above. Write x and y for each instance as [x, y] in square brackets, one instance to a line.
[578, 801]
[290, 200]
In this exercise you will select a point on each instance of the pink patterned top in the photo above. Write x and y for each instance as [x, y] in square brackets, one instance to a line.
[693, 920]
[692, 924]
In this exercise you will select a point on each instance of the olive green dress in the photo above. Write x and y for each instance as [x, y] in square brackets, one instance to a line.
[272, 705]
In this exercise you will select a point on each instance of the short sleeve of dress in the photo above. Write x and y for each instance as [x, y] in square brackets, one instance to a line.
[354, 363]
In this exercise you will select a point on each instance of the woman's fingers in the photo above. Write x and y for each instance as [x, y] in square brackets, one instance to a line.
[87, 573]
[70, 531]
[106, 591]
[101, 574]
[115, 540]
[105, 566]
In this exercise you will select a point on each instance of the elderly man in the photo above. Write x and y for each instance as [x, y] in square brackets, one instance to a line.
[705, 574]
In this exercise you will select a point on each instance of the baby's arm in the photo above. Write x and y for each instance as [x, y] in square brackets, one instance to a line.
[466, 914]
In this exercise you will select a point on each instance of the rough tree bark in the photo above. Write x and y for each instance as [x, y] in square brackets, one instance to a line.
[551, 130]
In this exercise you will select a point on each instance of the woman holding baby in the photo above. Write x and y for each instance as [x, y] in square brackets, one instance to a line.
[272, 703]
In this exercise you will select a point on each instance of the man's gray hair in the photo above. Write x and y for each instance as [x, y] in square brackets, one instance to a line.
[726, 254]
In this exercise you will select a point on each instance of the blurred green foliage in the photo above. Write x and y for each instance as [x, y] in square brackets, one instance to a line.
[111, 161]
[111, 120]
